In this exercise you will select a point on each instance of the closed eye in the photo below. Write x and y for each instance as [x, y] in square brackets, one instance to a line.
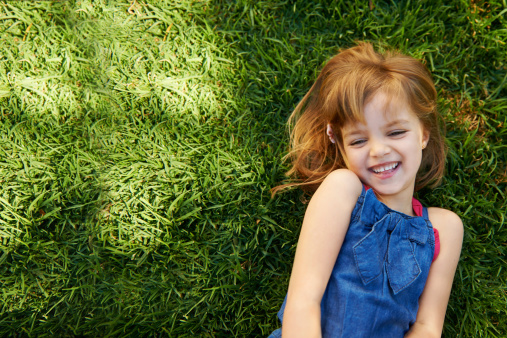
[357, 142]
[397, 132]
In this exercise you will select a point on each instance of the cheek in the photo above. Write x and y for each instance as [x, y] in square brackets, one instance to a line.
[344, 155]
[353, 160]
[414, 151]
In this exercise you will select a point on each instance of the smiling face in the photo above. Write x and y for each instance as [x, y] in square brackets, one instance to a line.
[386, 151]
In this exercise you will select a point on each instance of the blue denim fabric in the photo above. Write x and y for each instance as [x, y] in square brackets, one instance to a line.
[379, 274]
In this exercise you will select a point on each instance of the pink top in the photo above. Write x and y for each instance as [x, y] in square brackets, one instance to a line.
[418, 210]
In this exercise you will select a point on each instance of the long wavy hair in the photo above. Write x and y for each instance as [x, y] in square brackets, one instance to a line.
[346, 83]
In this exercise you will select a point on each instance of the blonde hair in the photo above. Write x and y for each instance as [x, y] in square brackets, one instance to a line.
[338, 96]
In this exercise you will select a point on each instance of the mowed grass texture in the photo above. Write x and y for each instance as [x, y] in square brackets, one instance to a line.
[139, 142]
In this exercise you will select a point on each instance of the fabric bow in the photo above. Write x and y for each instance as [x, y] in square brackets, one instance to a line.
[389, 241]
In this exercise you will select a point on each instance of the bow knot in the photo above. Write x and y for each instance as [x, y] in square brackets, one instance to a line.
[389, 242]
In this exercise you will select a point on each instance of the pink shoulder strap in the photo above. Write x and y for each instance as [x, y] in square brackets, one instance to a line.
[418, 210]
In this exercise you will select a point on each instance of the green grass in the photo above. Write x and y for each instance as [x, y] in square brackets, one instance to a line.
[137, 150]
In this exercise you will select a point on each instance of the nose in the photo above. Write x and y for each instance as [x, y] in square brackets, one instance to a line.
[379, 148]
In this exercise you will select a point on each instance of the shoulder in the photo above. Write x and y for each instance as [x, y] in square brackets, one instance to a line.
[343, 181]
[448, 224]
[445, 218]
[339, 191]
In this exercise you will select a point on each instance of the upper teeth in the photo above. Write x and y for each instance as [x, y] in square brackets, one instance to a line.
[385, 167]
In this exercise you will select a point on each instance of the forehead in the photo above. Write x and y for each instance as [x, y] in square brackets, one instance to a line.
[383, 111]
[388, 105]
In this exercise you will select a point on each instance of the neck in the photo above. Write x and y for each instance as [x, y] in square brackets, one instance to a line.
[401, 202]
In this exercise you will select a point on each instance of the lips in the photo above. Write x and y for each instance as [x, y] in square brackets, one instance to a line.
[378, 169]
[385, 170]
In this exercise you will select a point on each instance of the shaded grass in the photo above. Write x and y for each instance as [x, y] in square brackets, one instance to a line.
[139, 144]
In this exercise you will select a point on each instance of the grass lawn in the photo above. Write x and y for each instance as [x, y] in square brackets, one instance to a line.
[139, 143]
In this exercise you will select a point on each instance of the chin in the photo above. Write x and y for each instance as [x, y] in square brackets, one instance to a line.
[389, 189]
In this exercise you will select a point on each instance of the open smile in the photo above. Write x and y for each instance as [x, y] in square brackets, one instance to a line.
[385, 168]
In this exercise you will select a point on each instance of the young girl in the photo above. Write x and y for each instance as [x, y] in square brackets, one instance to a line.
[371, 261]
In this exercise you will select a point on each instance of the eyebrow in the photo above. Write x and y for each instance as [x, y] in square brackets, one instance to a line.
[396, 122]
[358, 131]
[352, 133]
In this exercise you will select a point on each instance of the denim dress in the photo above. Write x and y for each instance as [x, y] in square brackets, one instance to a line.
[379, 274]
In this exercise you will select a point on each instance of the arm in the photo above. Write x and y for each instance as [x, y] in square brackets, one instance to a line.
[324, 227]
[433, 301]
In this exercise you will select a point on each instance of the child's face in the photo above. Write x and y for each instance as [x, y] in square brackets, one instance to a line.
[386, 151]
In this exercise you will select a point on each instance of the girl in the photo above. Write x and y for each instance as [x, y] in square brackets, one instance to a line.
[370, 261]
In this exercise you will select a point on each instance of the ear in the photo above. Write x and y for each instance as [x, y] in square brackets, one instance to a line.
[425, 137]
